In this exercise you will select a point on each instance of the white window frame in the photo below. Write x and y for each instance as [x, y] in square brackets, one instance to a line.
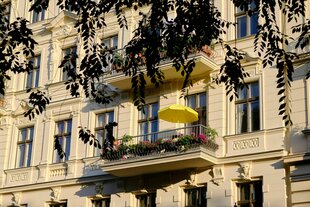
[111, 42]
[28, 147]
[199, 108]
[33, 74]
[101, 127]
[64, 142]
[64, 52]
[248, 101]
[147, 119]
[248, 19]
[37, 17]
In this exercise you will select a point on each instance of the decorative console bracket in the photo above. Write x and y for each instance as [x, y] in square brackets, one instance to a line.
[218, 174]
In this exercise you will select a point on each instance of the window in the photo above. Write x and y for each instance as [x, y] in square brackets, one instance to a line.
[62, 204]
[24, 147]
[250, 194]
[196, 197]
[146, 200]
[63, 133]
[111, 42]
[100, 132]
[115, 59]
[38, 16]
[148, 122]
[32, 79]
[247, 109]
[247, 20]
[198, 102]
[105, 202]
[71, 55]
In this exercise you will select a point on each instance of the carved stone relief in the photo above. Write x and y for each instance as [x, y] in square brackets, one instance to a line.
[18, 177]
[99, 188]
[245, 170]
[246, 144]
[218, 174]
[55, 194]
[16, 198]
[191, 179]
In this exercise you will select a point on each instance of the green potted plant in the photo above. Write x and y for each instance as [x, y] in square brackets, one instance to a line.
[117, 62]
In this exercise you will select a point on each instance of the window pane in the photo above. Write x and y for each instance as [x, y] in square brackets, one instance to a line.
[255, 116]
[60, 126]
[110, 117]
[242, 93]
[69, 126]
[29, 80]
[254, 23]
[23, 134]
[154, 128]
[241, 26]
[100, 136]
[100, 120]
[196, 197]
[241, 118]
[29, 154]
[106, 43]
[67, 150]
[250, 194]
[37, 74]
[202, 100]
[258, 194]
[146, 200]
[21, 154]
[38, 16]
[31, 130]
[145, 114]
[114, 42]
[254, 90]
[154, 110]
[202, 114]
[143, 128]
[191, 101]
[245, 192]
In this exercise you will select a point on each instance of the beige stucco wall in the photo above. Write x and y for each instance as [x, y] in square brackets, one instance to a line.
[263, 151]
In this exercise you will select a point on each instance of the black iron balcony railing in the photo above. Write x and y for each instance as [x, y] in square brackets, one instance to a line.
[175, 140]
[117, 59]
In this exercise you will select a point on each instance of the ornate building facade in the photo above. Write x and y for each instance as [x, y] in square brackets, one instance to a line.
[253, 161]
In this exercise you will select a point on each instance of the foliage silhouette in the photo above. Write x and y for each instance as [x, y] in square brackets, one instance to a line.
[195, 23]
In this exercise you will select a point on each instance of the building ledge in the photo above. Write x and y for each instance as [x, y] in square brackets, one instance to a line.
[198, 157]
[300, 157]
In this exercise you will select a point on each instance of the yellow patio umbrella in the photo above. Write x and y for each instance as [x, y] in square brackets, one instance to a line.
[177, 113]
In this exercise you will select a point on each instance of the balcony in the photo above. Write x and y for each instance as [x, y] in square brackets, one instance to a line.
[116, 77]
[181, 148]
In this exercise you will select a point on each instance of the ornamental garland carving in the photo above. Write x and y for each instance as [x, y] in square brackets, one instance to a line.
[246, 144]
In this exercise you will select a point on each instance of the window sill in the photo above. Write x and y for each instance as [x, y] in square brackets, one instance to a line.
[19, 169]
[241, 39]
